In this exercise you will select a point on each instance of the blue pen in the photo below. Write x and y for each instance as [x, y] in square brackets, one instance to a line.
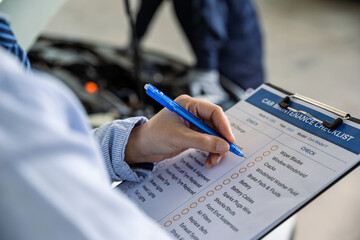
[182, 112]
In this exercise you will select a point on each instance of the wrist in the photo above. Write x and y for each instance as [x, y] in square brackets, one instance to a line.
[133, 149]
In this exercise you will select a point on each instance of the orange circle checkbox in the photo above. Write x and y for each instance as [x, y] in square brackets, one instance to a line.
[167, 223]
[234, 176]
[193, 205]
[275, 147]
[242, 170]
[226, 181]
[210, 193]
[185, 211]
[176, 217]
[250, 164]
[202, 198]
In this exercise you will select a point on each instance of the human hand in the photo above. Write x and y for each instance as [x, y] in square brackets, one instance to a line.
[167, 134]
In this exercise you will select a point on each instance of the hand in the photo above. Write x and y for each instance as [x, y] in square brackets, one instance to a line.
[167, 134]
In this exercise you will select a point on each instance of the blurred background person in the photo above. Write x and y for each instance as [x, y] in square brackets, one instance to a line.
[226, 39]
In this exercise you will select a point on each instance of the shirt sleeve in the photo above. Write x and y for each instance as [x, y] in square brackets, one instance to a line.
[112, 138]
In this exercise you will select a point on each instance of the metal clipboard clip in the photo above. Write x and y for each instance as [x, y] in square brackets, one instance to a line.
[331, 125]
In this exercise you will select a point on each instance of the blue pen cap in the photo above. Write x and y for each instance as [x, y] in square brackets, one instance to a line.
[159, 96]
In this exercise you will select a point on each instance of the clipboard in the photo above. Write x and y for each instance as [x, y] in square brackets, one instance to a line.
[292, 158]
[342, 116]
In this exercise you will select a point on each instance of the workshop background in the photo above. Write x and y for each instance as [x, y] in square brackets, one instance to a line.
[312, 47]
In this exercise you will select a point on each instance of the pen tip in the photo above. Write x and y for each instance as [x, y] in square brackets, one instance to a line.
[146, 86]
[236, 150]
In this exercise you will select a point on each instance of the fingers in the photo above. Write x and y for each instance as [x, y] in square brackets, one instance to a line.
[217, 147]
[208, 112]
[212, 160]
[222, 124]
[193, 139]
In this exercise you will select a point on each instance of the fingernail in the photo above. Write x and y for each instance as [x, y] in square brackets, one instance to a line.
[222, 146]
